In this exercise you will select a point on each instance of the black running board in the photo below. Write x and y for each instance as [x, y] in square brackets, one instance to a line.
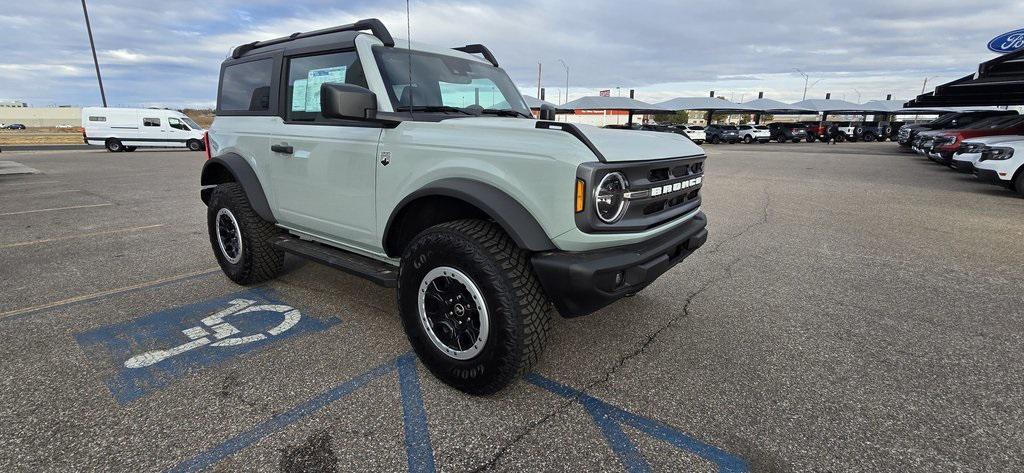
[377, 272]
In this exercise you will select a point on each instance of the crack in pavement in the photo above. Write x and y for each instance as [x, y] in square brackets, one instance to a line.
[641, 348]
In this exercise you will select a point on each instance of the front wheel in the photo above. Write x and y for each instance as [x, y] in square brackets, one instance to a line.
[748, 139]
[471, 306]
[1019, 183]
[714, 139]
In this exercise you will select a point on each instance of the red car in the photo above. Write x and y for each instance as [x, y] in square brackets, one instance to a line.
[947, 143]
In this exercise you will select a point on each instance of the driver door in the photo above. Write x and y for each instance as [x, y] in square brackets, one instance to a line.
[324, 170]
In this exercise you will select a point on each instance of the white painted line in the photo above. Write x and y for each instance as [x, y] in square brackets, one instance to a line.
[50, 193]
[55, 208]
[109, 292]
[80, 235]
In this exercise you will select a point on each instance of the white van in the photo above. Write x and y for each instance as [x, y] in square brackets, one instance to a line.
[125, 129]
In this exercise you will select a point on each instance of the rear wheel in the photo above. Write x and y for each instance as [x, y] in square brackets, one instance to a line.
[471, 306]
[194, 145]
[869, 136]
[240, 238]
[781, 139]
[114, 145]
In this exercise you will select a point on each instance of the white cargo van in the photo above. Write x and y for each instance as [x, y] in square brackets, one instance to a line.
[125, 129]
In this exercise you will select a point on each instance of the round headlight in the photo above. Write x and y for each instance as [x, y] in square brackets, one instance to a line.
[609, 201]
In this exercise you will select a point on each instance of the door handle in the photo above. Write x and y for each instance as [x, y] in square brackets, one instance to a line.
[282, 149]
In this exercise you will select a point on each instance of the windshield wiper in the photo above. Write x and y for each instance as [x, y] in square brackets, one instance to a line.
[505, 113]
[432, 108]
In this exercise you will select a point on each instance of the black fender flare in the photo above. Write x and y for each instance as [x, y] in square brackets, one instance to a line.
[505, 210]
[238, 170]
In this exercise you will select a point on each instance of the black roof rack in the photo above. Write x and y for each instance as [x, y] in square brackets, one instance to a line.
[479, 49]
[372, 24]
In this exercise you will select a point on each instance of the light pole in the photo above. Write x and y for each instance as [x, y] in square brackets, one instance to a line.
[925, 84]
[858, 95]
[92, 44]
[566, 66]
[806, 79]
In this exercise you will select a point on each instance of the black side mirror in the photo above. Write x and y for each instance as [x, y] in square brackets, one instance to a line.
[347, 101]
[547, 112]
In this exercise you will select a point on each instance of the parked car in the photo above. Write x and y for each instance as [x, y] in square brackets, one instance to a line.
[907, 133]
[754, 133]
[482, 217]
[716, 133]
[816, 131]
[970, 150]
[1003, 164]
[947, 143]
[783, 132]
[15, 126]
[924, 141]
[870, 131]
[126, 129]
[624, 126]
[695, 132]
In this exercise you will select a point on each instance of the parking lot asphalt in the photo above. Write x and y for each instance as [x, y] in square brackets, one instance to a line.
[854, 309]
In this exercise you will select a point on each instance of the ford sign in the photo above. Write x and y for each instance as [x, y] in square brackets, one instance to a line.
[1007, 42]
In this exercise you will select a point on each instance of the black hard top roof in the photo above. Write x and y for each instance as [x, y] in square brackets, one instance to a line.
[340, 36]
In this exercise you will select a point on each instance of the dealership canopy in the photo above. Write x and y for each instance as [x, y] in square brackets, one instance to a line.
[703, 103]
[595, 102]
[999, 81]
[833, 105]
[775, 107]
[534, 103]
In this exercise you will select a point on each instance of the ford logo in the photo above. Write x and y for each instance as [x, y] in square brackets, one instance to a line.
[1007, 42]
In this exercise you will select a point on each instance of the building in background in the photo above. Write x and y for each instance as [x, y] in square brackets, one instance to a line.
[42, 116]
[12, 104]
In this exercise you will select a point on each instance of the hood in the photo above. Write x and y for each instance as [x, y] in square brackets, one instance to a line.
[615, 145]
[988, 140]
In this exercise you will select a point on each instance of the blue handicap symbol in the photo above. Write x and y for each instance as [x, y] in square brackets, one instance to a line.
[149, 352]
[419, 449]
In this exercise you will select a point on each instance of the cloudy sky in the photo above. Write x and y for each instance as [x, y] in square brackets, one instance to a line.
[168, 53]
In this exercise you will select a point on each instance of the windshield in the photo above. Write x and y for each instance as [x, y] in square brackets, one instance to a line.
[696, 128]
[761, 127]
[446, 81]
[728, 127]
[191, 124]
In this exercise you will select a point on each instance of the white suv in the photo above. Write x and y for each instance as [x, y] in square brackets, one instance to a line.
[755, 133]
[970, 150]
[1003, 163]
[422, 169]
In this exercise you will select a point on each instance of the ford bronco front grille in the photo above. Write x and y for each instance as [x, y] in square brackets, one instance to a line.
[659, 191]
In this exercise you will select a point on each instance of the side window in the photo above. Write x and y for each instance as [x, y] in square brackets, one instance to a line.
[306, 75]
[97, 119]
[175, 123]
[150, 122]
[246, 86]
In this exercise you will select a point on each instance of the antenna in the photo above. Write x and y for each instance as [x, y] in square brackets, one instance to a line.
[408, 51]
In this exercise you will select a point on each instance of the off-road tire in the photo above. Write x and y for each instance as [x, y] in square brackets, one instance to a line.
[519, 315]
[259, 260]
[1018, 183]
[194, 145]
[114, 145]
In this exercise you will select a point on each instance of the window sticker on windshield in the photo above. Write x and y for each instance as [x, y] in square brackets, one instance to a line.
[318, 77]
[299, 96]
[481, 92]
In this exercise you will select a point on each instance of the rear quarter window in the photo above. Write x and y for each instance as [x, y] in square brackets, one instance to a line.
[245, 87]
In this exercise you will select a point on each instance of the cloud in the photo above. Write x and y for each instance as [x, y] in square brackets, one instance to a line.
[170, 53]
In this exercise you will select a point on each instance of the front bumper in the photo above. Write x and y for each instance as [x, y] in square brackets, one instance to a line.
[990, 176]
[963, 166]
[579, 283]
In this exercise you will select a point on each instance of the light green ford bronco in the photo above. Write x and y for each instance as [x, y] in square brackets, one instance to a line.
[421, 168]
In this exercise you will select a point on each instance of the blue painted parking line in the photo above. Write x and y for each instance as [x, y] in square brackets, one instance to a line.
[149, 352]
[419, 449]
[604, 413]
